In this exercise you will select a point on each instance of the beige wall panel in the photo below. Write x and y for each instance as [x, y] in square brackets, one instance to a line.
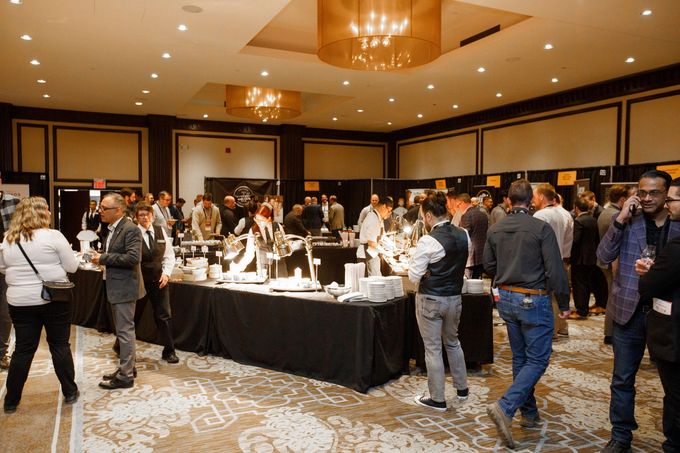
[343, 161]
[32, 149]
[83, 154]
[205, 156]
[451, 156]
[579, 140]
[654, 131]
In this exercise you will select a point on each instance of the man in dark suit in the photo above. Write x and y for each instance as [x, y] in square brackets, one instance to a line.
[586, 276]
[292, 223]
[312, 217]
[123, 281]
[229, 215]
[477, 224]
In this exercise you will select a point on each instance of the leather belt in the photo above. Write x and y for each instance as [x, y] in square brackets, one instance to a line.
[517, 289]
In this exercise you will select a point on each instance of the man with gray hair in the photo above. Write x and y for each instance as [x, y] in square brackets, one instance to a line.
[123, 282]
[292, 223]
[161, 212]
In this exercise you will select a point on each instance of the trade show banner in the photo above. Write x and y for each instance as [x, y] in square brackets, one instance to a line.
[566, 178]
[242, 189]
[16, 190]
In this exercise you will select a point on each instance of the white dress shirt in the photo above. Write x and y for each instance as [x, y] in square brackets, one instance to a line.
[429, 250]
[168, 254]
[371, 229]
[362, 215]
[558, 222]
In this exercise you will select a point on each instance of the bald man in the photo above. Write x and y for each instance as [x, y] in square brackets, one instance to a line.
[229, 215]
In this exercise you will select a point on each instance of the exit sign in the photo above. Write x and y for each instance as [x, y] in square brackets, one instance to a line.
[99, 184]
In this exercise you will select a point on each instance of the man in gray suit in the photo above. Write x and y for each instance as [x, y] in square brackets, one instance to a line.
[123, 282]
[336, 217]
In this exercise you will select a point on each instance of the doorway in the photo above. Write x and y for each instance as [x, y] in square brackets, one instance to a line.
[71, 205]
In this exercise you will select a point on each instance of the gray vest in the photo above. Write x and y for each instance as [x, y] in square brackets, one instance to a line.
[445, 277]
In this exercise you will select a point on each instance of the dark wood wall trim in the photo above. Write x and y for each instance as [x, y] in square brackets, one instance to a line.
[383, 146]
[338, 134]
[160, 152]
[55, 135]
[6, 153]
[46, 139]
[441, 137]
[623, 86]
[75, 116]
[626, 155]
[230, 137]
[183, 124]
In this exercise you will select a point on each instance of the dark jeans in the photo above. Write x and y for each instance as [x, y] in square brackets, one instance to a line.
[669, 372]
[160, 302]
[28, 325]
[586, 279]
[530, 332]
[629, 342]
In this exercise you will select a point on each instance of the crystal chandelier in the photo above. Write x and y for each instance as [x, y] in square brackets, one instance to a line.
[379, 35]
[262, 104]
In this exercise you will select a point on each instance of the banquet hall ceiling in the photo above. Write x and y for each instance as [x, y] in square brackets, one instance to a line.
[98, 55]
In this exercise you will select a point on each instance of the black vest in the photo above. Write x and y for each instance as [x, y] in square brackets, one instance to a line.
[152, 259]
[92, 223]
[445, 277]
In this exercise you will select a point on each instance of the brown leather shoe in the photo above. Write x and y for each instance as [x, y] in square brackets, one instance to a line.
[597, 310]
[4, 362]
[574, 315]
[502, 422]
[116, 383]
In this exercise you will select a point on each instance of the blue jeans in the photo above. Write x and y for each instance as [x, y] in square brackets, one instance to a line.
[629, 343]
[530, 331]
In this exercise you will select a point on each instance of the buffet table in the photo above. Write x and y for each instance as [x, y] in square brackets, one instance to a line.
[357, 345]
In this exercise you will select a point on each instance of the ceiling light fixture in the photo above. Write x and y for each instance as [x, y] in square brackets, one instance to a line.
[455, 106]
[46, 95]
[360, 110]
[391, 99]
[154, 75]
[146, 91]
[630, 60]
[264, 73]
[182, 27]
[35, 62]
[430, 87]
[389, 123]
[263, 103]
[420, 115]
[647, 12]
[205, 115]
[548, 46]
[498, 95]
[16, 2]
[26, 37]
[139, 103]
[41, 81]
[379, 35]
[554, 80]
[166, 55]
[481, 69]
[335, 118]
[346, 83]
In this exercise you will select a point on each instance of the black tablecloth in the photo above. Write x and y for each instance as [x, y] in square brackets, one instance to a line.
[333, 259]
[358, 345]
[475, 330]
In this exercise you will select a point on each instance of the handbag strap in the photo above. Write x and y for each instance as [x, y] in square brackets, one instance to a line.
[29, 261]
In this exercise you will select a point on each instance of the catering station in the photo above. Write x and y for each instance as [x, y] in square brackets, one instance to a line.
[290, 313]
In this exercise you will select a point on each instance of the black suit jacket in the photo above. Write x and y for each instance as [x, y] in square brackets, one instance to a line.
[312, 216]
[586, 240]
[229, 220]
[477, 225]
[293, 225]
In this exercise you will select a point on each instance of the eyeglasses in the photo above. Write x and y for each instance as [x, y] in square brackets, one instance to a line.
[105, 208]
[671, 200]
[651, 193]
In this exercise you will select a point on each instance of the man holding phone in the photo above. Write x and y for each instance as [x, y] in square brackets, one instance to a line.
[629, 234]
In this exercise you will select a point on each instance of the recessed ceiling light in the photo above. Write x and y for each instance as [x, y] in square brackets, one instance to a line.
[16, 2]
[430, 87]
[46, 95]
[360, 110]
[264, 73]
[391, 99]
[630, 60]
[182, 27]
[346, 83]
[139, 103]
[166, 55]
[498, 95]
[647, 12]
[420, 115]
[389, 123]
[481, 69]
[455, 106]
[264, 120]
[205, 115]
[335, 118]
[146, 91]
[554, 80]
[26, 37]
[35, 62]
[41, 81]
[548, 46]
[154, 75]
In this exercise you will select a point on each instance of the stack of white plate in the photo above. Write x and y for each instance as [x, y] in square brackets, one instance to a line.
[363, 285]
[376, 291]
[474, 286]
[389, 289]
[397, 284]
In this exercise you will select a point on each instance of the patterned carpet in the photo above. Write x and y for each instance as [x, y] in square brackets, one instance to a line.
[213, 404]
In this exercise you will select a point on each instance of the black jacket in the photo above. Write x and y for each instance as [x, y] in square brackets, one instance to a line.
[293, 225]
[586, 240]
[312, 216]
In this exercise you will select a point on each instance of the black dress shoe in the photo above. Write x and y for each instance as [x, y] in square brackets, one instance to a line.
[116, 383]
[171, 357]
[71, 399]
[10, 408]
[111, 376]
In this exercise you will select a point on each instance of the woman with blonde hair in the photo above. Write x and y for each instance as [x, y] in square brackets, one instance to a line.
[52, 257]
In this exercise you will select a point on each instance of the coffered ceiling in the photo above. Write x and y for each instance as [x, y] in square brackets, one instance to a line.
[98, 55]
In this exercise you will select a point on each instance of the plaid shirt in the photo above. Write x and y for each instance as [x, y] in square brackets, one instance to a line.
[8, 204]
[626, 244]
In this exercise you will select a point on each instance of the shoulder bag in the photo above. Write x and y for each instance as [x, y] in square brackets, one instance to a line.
[52, 291]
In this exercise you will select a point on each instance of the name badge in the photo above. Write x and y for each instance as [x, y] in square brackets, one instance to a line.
[161, 241]
[662, 306]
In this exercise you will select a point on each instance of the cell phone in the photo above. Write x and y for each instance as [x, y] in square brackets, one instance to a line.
[633, 209]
